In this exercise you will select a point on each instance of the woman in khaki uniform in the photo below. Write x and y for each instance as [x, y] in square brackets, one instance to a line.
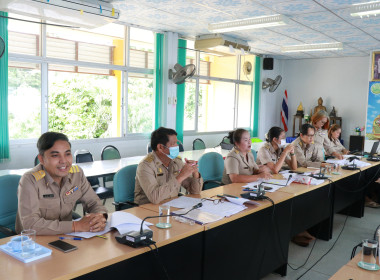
[273, 153]
[240, 165]
[333, 135]
[321, 123]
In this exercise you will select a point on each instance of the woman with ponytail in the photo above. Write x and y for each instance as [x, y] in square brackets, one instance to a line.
[274, 154]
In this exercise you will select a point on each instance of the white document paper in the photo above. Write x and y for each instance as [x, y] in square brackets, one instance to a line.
[200, 217]
[122, 221]
[183, 202]
[224, 209]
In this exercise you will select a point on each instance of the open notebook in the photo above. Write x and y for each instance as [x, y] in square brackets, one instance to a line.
[122, 221]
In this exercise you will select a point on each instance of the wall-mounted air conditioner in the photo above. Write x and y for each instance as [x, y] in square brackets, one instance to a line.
[87, 13]
[220, 44]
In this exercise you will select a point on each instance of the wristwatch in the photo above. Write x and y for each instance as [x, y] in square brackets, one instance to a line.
[292, 154]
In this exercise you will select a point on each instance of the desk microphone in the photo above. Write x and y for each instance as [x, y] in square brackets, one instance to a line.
[141, 238]
[353, 166]
[270, 183]
[320, 175]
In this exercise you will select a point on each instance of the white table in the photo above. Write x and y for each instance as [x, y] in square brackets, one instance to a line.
[107, 167]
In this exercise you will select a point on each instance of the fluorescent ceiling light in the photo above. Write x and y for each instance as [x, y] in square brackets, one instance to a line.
[365, 9]
[313, 47]
[248, 23]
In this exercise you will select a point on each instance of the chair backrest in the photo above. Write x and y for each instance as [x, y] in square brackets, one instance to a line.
[110, 152]
[36, 161]
[8, 200]
[211, 166]
[254, 154]
[86, 156]
[198, 144]
[124, 184]
[148, 148]
[83, 156]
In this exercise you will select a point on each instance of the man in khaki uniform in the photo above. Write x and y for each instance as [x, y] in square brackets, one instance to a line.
[307, 153]
[48, 193]
[161, 173]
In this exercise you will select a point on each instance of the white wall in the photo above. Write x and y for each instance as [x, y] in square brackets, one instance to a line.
[270, 102]
[341, 82]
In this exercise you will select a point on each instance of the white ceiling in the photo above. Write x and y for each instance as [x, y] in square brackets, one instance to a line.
[311, 21]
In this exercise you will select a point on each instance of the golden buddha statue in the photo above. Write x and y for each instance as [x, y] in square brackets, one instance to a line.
[320, 106]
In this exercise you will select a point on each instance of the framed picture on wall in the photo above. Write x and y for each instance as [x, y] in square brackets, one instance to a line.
[376, 66]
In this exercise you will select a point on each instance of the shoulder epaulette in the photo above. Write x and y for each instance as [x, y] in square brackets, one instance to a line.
[39, 175]
[179, 157]
[74, 169]
[149, 158]
[236, 151]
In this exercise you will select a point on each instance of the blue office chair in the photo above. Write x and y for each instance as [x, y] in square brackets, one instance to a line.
[102, 192]
[254, 154]
[211, 167]
[109, 152]
[124, 187]
[8, 204]
[198, 144]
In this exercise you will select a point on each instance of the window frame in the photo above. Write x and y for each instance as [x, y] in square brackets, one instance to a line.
[44, 62]
[197, 77]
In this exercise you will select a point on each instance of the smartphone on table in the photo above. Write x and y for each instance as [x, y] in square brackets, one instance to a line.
[62, 246]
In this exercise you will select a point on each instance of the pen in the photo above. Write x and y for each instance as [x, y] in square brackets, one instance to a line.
[227, 195]
[101, 236]
[71, 238]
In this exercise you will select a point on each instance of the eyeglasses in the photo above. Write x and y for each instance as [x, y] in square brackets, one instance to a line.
[310, 135]
[215, 199]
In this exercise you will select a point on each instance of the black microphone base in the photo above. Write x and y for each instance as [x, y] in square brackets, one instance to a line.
[350, 168]
[135, 238]
[317, 176]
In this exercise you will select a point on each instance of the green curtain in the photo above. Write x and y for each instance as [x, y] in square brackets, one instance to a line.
[256, 99]
[158, 80]
[4, 134]
[180, 109]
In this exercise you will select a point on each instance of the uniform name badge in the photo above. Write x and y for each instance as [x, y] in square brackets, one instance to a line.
[73, 189]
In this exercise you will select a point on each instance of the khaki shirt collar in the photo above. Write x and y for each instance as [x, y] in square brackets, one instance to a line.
[244, 159]
[304, 146]
[49, 180]
[273, 151]
[158, 162]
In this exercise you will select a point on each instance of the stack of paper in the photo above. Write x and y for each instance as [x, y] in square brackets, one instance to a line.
[122, 221]
[198, 216]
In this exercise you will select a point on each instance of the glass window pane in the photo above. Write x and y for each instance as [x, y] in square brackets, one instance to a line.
[221, 66]
[103, 45]
[140, 103]
[24, 37]
[244, 106]
[24, 101]
[247, 67]
[84, 106]
[189, 118]
[141, 44]
[216, 106]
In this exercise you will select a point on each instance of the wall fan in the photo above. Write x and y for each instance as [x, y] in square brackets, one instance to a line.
[182, 73]
[2, 47]
[272, 84]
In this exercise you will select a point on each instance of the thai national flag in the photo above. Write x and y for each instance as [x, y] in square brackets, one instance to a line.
[284, 111]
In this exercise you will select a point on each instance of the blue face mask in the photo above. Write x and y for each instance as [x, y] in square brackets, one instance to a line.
[173, 152]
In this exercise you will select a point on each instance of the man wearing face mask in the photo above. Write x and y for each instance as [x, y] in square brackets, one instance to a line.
[161, 173]
[274, 154]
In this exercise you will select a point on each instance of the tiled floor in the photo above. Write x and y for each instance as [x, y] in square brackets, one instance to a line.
[354, 231]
